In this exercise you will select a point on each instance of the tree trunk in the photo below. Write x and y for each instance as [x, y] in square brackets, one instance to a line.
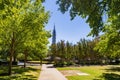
[40, 61]
[25, 59]
[14, 57]
[10, 63]
[11, 54]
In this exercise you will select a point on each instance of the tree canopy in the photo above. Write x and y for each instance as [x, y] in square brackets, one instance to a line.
[109, 43]
[93, 10]
[22, 26]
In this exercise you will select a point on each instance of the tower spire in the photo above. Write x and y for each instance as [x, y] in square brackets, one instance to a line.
[54, 36]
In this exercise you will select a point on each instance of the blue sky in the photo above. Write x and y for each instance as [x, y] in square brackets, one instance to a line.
[66, 29]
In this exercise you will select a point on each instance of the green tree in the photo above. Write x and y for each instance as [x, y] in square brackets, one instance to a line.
[83, 52]
[69, 52]
[53, 51]
[22, 26]
[59, 52]
[109, 43]
[37, 36]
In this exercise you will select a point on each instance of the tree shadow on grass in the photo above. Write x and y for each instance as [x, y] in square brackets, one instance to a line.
[3, 70]
[21, 70]
[18, 73]
[112, 76]
[116, 69]
[109, 75]
[25, 77]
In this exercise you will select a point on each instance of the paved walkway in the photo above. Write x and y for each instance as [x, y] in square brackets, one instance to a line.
[48, 72]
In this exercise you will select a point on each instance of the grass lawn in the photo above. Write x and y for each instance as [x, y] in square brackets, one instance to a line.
[19, 73]
[95, 72]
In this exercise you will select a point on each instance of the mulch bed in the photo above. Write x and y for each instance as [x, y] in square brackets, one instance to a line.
[70, 72]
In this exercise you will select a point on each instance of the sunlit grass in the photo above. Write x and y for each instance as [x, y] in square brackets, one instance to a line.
[95, 72]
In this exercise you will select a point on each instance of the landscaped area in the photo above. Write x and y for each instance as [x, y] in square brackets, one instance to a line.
[110, 72]
[87, 48]
[20, 73]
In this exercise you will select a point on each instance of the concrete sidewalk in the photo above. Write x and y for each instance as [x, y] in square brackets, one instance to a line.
[48, 72]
